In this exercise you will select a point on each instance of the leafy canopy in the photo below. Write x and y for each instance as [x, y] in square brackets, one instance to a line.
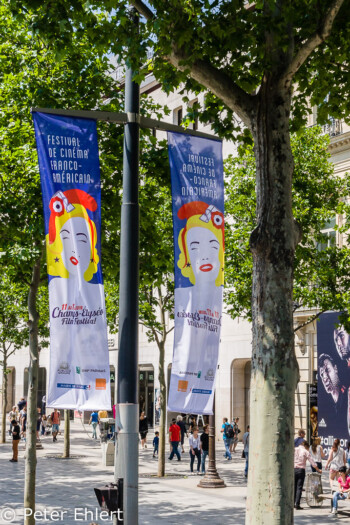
[322, 273]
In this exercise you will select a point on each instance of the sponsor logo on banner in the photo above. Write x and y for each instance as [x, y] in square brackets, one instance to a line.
[64, 368]
[333, 387]
[182, 386]
[198, 222]
[70, 181]
[100, 384]
[210, 375]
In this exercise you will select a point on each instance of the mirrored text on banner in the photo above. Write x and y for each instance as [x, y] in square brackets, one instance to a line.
[198, 221]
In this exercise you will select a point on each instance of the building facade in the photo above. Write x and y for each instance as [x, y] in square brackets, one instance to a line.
[233, 374]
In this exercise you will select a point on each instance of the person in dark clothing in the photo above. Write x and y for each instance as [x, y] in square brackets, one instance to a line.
[180, 422]
[204, 446]
[143, 429]
[21, 404]
[16, 436]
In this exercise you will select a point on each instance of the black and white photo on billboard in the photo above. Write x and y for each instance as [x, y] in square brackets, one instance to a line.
[333, 354]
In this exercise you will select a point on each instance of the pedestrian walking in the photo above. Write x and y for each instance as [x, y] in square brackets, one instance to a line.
[236, 431]
[21, 404]
[94, 422]
[336, 460]
[228, 436]
[43, 425]
[180, 422]
[38, 423]
[174, 439]
[204, 446]
[195, 452]
[43, 405]
[55, 421]
[192, 424]
[23, 422]
[301, 437]
[317, 453]
[155, 444]
[16, 436]
[343, 491]
[143, 429]
[301, 456]
[12, 415]
[246, 451]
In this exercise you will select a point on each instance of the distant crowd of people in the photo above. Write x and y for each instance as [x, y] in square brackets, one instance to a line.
[198, 443]
[338, 463]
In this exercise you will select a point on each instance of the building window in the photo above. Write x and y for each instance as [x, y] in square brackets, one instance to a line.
[329, 235]
[194, 124]
[177, 116]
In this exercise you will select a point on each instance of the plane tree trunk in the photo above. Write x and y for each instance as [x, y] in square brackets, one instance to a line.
[274, 366]
[4, 396]
[66, 446]
[33, 374]
[162, 422]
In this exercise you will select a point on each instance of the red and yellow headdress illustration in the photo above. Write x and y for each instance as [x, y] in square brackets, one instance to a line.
[200, 214]
[65, 205]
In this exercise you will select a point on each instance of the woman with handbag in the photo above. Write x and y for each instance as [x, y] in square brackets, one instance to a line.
[336, 460]
[195, 452]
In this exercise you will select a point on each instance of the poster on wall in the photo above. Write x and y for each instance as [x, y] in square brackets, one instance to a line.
[198, 224]
[70, 181]
[333, 361]
[313, 410]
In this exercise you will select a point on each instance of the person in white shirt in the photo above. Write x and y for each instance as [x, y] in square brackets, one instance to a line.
[195, 452]
[246, 450]
[301, 456]
[317, 453]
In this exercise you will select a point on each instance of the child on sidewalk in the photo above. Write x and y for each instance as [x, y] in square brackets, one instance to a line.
[155, 444]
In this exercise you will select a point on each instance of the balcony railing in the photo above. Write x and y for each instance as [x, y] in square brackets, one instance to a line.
[333, 128]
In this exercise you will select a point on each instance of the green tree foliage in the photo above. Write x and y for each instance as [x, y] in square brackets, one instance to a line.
[13, 333]
[321, 272]
[248, 57]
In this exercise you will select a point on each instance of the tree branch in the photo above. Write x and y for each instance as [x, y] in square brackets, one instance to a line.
[219, 84]
[319, 36]
[170, 330]
[209, 76]
[309, 320]
[142, 9]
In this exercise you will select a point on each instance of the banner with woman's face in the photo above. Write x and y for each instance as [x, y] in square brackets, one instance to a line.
[333, 381]
[199, 242]
[70, 180]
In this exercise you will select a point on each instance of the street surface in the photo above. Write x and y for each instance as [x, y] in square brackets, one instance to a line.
[67, 484]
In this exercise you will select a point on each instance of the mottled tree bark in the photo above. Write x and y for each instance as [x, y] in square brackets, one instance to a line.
[162, 422]
[66, 446]
[33, 373]
[274, 366]
[4, 395]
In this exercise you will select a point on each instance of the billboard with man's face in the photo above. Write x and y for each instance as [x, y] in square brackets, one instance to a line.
[333, 354]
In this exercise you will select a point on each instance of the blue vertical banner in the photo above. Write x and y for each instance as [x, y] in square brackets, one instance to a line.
[333, 360]
[199, 241]
[70, 179]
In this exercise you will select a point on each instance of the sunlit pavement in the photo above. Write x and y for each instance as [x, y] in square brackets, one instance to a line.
[66, 487]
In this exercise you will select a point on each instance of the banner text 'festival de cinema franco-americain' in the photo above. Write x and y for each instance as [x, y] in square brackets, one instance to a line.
[70, 179]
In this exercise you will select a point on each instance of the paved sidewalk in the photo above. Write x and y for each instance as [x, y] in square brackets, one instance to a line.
[65, 485]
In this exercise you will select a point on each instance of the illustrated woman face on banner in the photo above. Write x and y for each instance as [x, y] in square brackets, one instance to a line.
[201, 244]
[72, 238]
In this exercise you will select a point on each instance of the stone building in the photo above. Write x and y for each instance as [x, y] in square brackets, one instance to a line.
[233, 375]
